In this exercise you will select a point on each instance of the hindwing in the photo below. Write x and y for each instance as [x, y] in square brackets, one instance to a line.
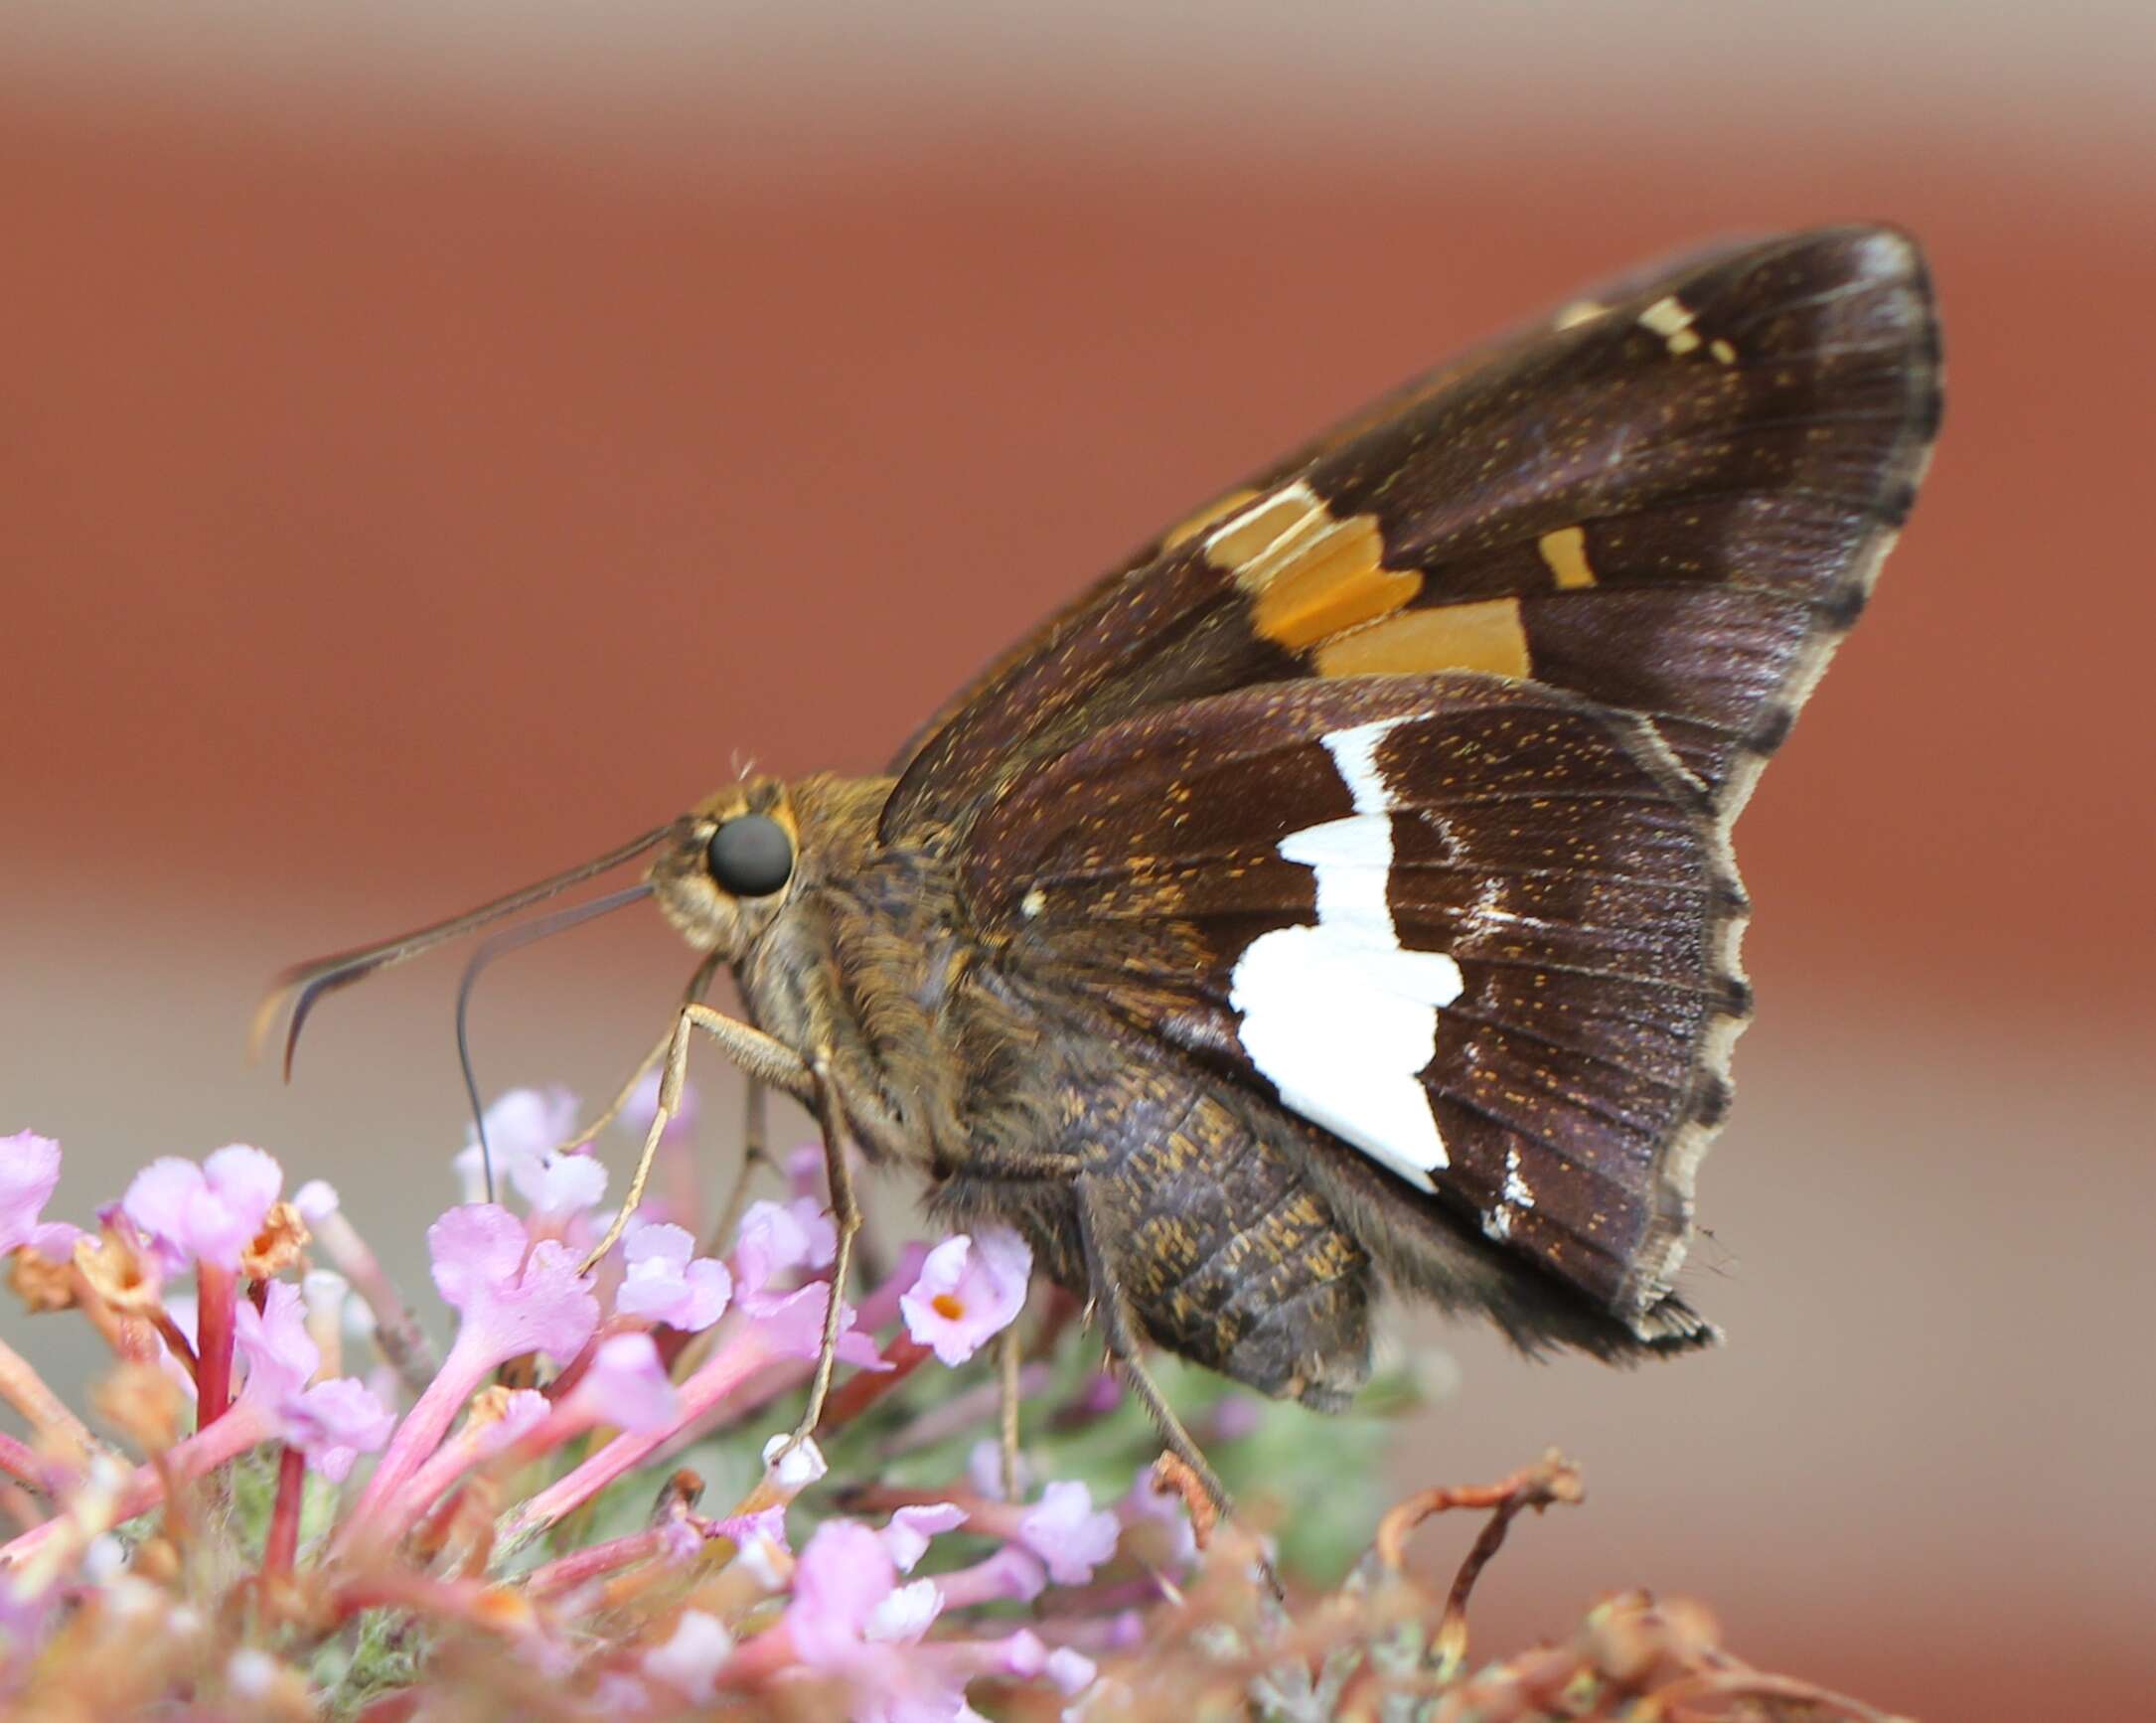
[1481, 931]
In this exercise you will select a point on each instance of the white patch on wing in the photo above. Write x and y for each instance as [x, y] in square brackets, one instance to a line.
[1339, 1016]
[1517, 1194]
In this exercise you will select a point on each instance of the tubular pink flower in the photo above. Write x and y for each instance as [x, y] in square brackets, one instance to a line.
[904, 1614]
[777, 1238]
[665, 1282]
[1070, 1670]
[316, 1200]
[626, 1386]
[738, 1360]
[514, 1297]
[1067, 1533]
[207, 1213]
[333, 1423]
[1144, 1506]
[519, 1414]
[522, 1127]
[907, 1533]
[970, 1290]
[29, 1171]
[556, 1189]
[1021, 1654]
[281, 1356]
[756, 1536]
[792, 1327]
[1010, 1574]
[690, 1660]
[843, 1574]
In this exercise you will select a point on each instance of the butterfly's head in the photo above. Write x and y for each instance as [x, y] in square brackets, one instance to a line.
[724, 870]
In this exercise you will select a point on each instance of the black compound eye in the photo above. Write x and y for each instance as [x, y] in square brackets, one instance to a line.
[751, 855]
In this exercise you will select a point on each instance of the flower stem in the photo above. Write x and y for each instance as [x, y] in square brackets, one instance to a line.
[201, 1453]
[709, 1386]
[283, 1544]
[216, 1294]
[574, 1569]
[24, 1390]
[423, 1428]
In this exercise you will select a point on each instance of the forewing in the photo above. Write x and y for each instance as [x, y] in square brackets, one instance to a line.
[1671, 496]
[1479, 931]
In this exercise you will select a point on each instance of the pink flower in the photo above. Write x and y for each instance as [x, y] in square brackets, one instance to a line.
[666, 1284]
[1010, 1575]
[1066, 1532]
[29, 1170]
[760, 1539]
[792, 1327]
[515, 1297]
[207, 1213]
[627, 1385]
[843, 1575]
[333, 1423]
[1071, 1671]
[1146, 1505]
[281, 1354]
[555, 1187]
[524, 1128]
[970, 1290]
[906, 1535]
[847, 1600]
[777, 1239]
[690, 1660]
[904, 1614]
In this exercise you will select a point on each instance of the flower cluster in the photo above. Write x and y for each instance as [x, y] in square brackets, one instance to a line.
[295, 1501]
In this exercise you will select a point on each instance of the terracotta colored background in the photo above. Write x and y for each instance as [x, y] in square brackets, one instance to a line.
[411, 483]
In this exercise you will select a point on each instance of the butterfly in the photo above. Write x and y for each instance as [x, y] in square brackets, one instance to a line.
[1338, 896]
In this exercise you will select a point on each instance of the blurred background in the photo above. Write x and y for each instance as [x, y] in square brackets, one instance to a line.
[438, 442]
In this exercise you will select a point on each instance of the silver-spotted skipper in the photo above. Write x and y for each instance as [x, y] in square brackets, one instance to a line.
[1338, 895]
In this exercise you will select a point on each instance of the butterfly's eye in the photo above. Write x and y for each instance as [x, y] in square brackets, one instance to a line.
[751, 855]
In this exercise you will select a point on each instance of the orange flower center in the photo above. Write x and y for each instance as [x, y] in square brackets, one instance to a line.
[947, 1306]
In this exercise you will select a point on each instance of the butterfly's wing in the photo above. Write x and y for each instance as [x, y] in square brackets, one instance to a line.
[1392, 789]
[1670, 496]
[1479, 931]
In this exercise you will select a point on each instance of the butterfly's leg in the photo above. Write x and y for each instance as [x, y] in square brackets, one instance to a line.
[1122, 1352]
[1010, 1353]
[697, 983]
[846, 1218]
[759, 1058]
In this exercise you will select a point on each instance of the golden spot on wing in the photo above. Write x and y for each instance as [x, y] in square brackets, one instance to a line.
[1578, 312]
[1565, 550]
[1335, 584]
[1248, 539]
[1671, 319]
[1219, 509]
[1723, 352]
[1488, 636]
[1309, 573]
